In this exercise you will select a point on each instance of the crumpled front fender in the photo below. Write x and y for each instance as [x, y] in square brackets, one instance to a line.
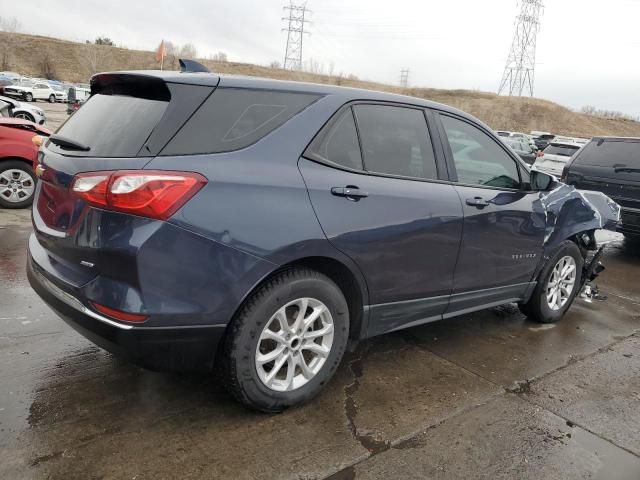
[569, 211]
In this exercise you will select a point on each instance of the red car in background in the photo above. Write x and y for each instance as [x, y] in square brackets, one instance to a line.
[18, 155]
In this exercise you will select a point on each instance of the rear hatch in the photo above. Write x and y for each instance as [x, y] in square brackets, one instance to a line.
[555, 156]
[128, 119]
[610, 166]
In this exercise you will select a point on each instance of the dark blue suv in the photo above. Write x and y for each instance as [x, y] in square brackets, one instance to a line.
[186, 220]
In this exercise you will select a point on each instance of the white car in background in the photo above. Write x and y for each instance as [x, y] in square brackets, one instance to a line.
[555, 156]
[10, 107]
[32, 91]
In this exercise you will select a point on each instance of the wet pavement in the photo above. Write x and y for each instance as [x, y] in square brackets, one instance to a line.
[487, 395]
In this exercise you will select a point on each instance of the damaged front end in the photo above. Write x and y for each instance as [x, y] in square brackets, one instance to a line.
[576, 214]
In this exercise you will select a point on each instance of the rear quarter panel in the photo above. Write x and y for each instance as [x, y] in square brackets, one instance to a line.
[256, 200]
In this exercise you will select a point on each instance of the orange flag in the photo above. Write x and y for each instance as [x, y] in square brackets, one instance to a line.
[161, 53]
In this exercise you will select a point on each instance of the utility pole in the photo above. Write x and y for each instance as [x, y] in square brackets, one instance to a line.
[519, 72]
[404, 77]
[295, 32]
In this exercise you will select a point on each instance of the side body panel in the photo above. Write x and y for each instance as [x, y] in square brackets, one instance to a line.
[404, 236]
[502, 242]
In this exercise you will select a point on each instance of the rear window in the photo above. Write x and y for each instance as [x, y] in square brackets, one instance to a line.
[564, 150]
[112, 125]
[610, 154]
[338, 142]
[234, 118]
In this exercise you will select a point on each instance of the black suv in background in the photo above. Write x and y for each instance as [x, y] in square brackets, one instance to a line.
[611, 165]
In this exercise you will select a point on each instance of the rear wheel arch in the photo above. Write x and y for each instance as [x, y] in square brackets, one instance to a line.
[339, 273]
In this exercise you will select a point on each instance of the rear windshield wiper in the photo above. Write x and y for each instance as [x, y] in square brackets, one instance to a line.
[67, 143]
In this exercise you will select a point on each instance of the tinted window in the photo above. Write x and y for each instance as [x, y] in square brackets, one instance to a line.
[609, 153]
[395, 140]
[564, 150]
[112, 125]
[338, 142]
[478, 159]
[233, 118]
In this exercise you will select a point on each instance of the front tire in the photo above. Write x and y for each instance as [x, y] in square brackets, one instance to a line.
[28, 97]
[52, 98]
[558, 284]
[24, 116]
[17, 184]
[287, 341]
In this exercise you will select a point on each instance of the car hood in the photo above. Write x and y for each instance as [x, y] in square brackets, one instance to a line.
[568, 211]
[18, 87]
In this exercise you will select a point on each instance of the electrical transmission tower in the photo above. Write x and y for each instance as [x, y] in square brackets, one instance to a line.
[519, 72]
[295, 33]
[404, 77]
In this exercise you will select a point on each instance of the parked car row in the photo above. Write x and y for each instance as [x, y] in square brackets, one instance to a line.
[33, 89]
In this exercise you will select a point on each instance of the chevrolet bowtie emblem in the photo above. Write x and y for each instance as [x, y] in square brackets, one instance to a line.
[39, 170]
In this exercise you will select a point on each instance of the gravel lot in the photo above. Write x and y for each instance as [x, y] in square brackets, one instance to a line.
[56, 113]
[487, 395]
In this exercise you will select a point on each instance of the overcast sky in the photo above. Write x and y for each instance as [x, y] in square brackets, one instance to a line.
[587, 49]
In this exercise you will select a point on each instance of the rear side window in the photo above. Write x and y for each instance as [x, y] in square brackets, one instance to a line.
[619, 154]
[112, 125]
[338, 143]
[564, 150]
[395, 140]
[234, 118]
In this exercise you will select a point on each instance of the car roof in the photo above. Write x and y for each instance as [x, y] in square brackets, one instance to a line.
[616, 139]
[17, 122]
[240, 81]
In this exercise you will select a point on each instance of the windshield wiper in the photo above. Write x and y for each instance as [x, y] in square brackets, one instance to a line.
[69, 144]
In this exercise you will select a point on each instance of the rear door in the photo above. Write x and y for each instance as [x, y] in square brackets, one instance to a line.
[502, 237]
[375, 186]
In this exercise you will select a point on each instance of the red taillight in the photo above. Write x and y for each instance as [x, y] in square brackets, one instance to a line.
[118, 314]
[540, 153]
[149, 193]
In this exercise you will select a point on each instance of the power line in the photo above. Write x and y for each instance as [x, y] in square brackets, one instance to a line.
[404, 77]
[519, 72]
[295, 33]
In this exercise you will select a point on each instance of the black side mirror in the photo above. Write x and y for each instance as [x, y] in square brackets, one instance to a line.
[540, 182]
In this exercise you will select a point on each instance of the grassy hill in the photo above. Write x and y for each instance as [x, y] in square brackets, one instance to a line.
[75, 62]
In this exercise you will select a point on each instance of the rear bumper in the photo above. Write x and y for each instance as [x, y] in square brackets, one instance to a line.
[182, 348]
[629, 221]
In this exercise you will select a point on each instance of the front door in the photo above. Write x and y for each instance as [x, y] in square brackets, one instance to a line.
[383, 206]
[502, 237]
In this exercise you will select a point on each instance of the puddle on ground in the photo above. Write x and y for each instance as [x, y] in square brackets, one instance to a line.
[616, 464]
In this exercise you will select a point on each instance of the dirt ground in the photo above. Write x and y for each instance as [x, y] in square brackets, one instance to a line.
[487, 395]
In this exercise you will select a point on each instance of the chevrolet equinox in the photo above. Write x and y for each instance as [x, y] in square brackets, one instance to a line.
[190, 220]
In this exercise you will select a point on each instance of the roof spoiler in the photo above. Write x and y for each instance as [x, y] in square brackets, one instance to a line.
[190, 66]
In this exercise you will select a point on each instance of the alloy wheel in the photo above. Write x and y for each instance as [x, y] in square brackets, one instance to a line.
[294, 344]
[561, 283]
[16, 185]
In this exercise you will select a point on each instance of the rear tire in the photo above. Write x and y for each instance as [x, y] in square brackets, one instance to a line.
[311, 345]
[17, 184]
[544, 306]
